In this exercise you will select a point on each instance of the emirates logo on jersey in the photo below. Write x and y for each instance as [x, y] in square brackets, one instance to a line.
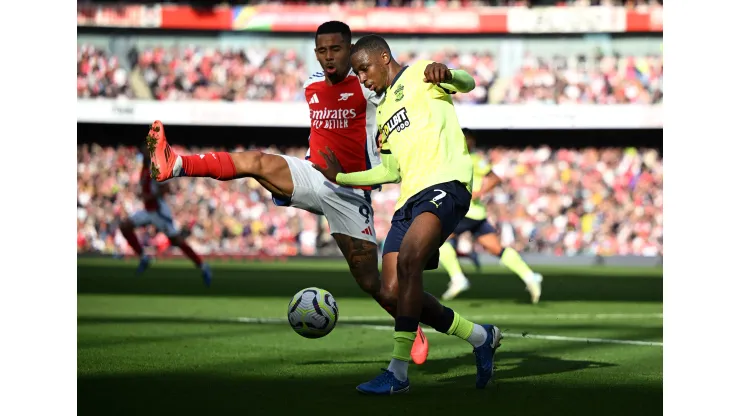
[332, 118]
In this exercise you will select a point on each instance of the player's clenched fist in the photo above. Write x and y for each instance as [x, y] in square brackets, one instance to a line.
[436, 73]
[332, 165]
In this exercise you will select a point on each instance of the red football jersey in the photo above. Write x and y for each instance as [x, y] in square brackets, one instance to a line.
[343, 119]
[149, 187]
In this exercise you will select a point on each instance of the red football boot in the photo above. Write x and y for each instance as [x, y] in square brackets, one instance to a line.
[420, 350]
[162, 155]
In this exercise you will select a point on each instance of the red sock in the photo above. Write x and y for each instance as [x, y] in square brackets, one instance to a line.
[192, 255]
[216, 165]
[133, 241]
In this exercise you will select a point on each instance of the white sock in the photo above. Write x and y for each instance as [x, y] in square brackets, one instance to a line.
[399, 368]
[478, 336]
[176, 170]
[458, 279]
[534, 278]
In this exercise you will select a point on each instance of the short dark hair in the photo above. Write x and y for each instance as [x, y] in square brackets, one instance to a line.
[468, 133]
[371, 43]
[335, 26]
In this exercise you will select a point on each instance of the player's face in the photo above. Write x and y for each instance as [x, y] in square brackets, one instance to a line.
[332, 52]
[471, 143]
[372, 69]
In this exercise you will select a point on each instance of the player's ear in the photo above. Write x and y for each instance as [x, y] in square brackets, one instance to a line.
[386, 57]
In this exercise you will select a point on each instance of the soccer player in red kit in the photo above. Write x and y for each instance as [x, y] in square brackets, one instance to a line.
[342, 115]
[156, 212]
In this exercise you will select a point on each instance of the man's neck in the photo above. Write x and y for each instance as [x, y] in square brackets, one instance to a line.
[393, 71]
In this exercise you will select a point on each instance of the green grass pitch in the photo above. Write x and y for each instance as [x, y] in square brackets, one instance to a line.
[161, 343]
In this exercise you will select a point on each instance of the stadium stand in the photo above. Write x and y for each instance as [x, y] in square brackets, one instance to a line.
[591, 201]
[278, 75]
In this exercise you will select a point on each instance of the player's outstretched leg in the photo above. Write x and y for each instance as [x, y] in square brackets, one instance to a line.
[205, 269]
[419, 243]
[458, 281]
[514, 262]
[362, 258]
[271, 171]
[472, 255]
[127, 230]
[447, 321]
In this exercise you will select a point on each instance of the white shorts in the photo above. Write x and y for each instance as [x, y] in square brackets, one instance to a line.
[348, 210]
[161, 219]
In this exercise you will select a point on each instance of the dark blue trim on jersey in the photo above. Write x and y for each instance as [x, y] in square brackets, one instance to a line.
[368, 165]
[309, 147]
[398, 75]
[280, 202]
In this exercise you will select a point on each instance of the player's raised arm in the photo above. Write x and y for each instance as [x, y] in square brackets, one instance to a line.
[453, 80]
[386, 172]
[490, 181]
[461, 81]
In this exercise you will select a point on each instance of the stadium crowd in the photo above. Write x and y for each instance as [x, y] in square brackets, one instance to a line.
[402, 3]
[555, 201]
[278, 75]
[100, 75]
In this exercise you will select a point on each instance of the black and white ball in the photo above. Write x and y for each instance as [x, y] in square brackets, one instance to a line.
[313, 312]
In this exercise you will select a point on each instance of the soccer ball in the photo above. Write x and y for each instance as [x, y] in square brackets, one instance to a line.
[313, 312]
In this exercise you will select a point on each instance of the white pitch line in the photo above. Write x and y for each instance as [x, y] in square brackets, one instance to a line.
[506, 334]
[593, 340]
[546, 337]
[496, 317]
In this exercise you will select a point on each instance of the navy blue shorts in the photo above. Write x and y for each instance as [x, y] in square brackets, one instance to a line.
[477, 227]
[449, 201]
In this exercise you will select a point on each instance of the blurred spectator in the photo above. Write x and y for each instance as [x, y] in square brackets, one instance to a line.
[99, 75]
[395, 3]
[583, 80]
[278, 75]
[591, 201]
[233, 75]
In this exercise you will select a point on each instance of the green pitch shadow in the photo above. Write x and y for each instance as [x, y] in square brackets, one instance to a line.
[176, 281]
[221, 394]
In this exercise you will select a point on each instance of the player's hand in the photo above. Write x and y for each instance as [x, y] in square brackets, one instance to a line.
[332, 165]
[436, 73]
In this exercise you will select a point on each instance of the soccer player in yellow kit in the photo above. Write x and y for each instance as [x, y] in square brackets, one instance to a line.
[423, 147]
[476, 221]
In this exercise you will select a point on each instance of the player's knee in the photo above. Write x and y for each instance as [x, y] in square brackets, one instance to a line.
[250, 162]
[368, 281]
[389, 292]
[126, 225]
[494, 246]
[409, 263]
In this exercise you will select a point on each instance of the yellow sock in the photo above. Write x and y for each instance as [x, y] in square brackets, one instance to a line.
[461, 327]
[403, 342]
[511, 259]
[448, 260]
